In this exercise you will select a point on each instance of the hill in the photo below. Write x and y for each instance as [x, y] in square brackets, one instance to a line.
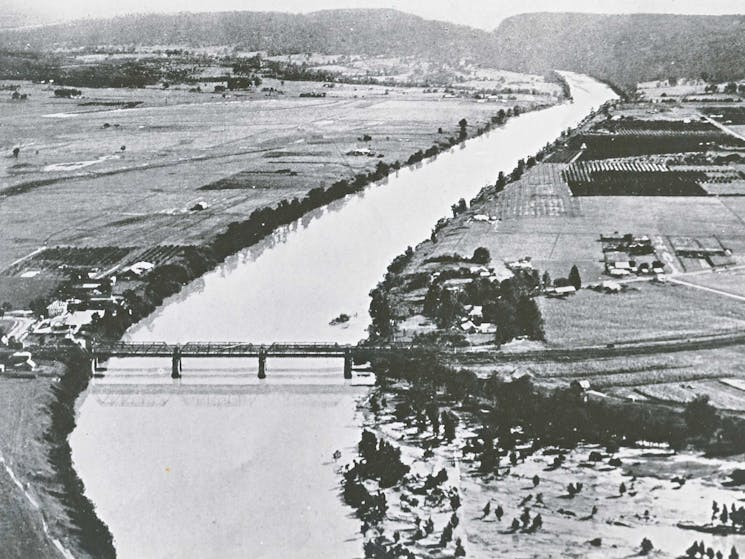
[371, 32]
[624, 49]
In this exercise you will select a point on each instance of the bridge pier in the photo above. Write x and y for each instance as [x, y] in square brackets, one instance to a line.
[348, 363]
[262, 363]
[176, 363]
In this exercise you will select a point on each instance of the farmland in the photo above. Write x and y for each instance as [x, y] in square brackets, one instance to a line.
[662, 176]
[172, 167]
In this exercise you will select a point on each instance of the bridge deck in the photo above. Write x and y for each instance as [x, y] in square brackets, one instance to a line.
[228, 349]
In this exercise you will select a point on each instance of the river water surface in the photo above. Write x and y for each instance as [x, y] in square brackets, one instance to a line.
[220, 465]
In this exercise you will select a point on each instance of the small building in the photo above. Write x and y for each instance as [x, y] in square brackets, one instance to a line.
[476, 313]
[137, 270]
[563, 291]
[76, 320]
[56, 308]
[522, 264]
[486, 328]
[481, 271]
[611, 286]
[22, 360]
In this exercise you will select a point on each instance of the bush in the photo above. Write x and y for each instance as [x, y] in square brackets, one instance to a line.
[481, 256]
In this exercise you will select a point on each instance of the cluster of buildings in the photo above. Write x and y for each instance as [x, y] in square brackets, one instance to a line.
[473, 322]
[65, 320]
[627, 254]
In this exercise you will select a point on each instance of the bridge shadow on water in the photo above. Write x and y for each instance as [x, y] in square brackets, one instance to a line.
[221, 383]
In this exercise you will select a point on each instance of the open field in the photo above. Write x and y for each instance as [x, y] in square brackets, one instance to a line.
[141, 171]
[648, 311]
[730, 281]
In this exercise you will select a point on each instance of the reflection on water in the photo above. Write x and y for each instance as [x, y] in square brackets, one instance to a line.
[249, 472]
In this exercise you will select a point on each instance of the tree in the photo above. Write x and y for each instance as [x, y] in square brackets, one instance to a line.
[448, 311]
[38, 306]
[481, 256]
[501, 181]
[546, 281]
[530, 321]
[700, 416]
[449, 422]
[574, 278]
[431, 299]
[381, 315]
[463, 123]
[16, 151]
[505, 319]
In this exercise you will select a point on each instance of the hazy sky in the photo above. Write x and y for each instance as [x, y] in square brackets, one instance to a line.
[478, 13]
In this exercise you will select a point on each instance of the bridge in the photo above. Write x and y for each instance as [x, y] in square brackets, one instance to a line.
[176, 352]
[676, 343]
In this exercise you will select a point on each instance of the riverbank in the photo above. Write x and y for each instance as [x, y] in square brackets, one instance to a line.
[46, 515]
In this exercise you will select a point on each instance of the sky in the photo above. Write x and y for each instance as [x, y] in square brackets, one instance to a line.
[485, 14]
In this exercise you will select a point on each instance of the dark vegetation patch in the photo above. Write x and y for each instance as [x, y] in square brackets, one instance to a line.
[125, 104]
[563, 156]
[92, 257]
[130, 220]
[243, 180]
[730, 115]
[277, 154]
[19, 292]
[632, 183]
[604, 146]
[248, 179]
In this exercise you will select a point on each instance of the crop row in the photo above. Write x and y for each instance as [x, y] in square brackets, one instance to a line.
[583, 170]
[160, 254]
[654, 126]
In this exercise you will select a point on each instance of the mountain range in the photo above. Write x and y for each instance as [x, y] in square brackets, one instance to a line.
[623, 49]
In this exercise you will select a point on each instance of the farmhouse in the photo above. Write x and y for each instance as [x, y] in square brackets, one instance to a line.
[522, 264]
[476, 313]
[563, 291]
[137, 270]
[486, 328]
[455, 284]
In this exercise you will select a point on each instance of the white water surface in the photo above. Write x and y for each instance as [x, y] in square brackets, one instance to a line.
[220, 465]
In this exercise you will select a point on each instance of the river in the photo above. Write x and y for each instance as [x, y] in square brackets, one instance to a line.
[222, 465]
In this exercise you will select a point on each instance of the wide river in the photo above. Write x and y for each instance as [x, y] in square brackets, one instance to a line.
[221, 465]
